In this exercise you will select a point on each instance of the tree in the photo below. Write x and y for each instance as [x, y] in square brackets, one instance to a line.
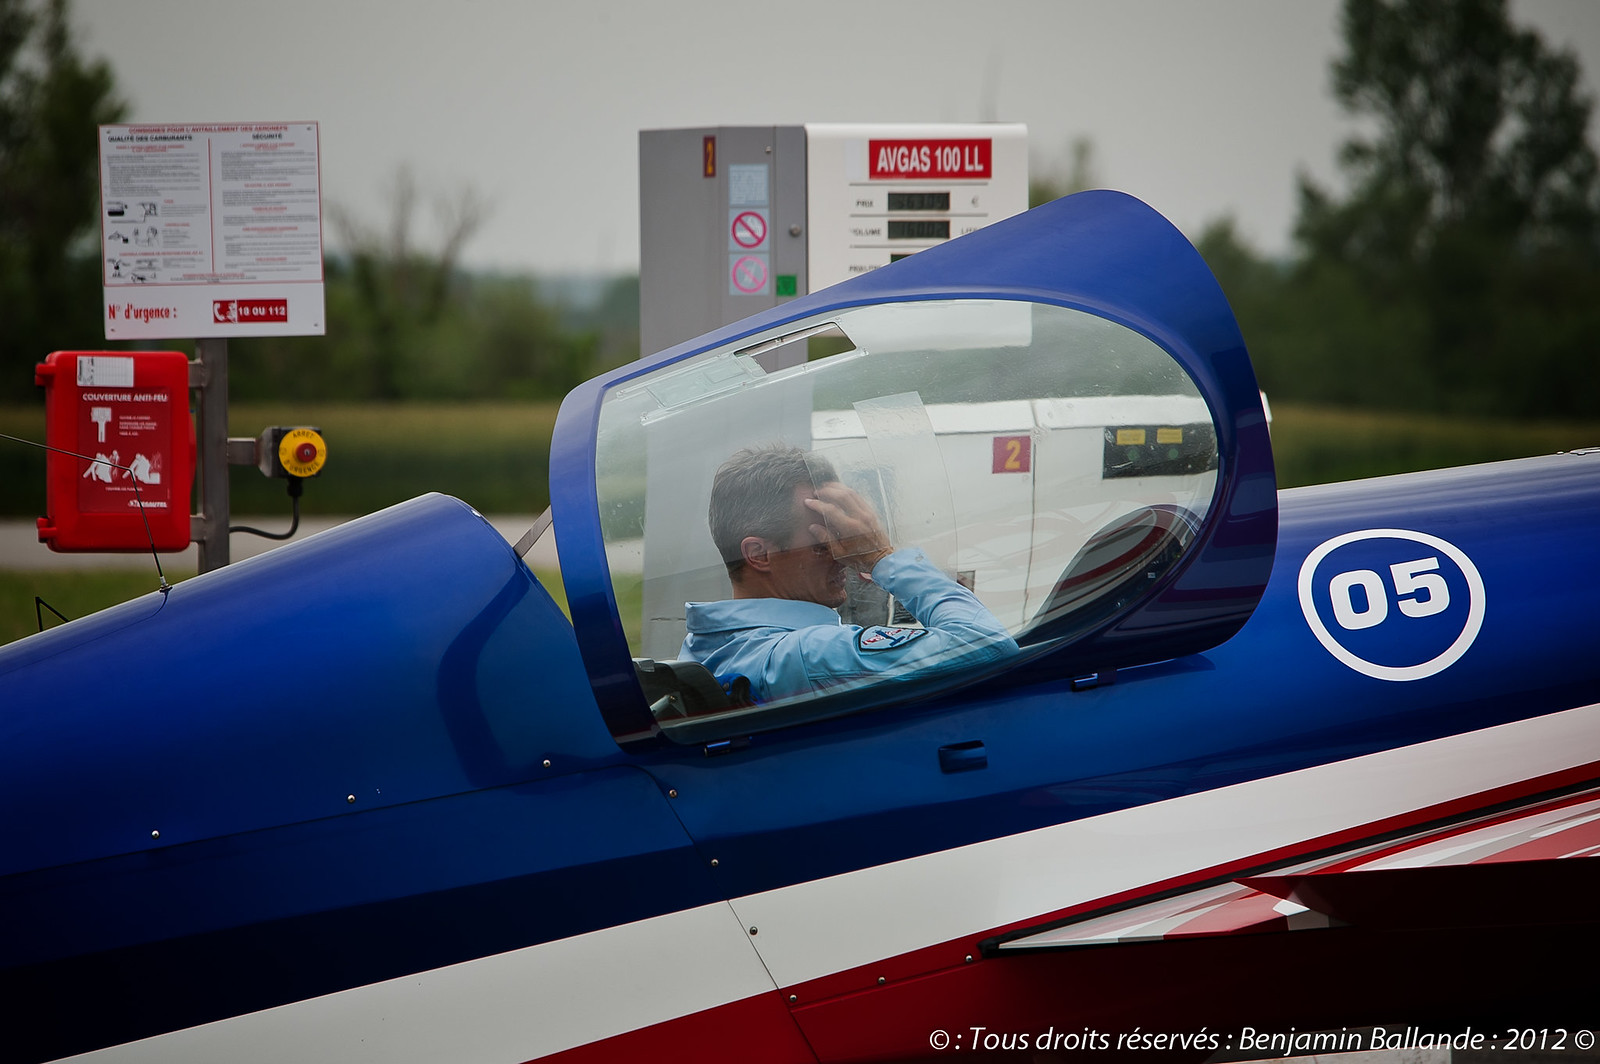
[1474, 207]
[51, 101]
[1479, 126]
[406, 321]
[402, 289]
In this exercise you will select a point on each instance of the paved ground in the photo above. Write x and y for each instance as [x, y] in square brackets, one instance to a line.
[20, 547]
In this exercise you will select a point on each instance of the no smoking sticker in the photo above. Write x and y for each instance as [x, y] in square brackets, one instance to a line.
[747, 230]
[748, 276]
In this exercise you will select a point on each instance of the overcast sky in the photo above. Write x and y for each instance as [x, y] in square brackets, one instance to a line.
[1199, 107]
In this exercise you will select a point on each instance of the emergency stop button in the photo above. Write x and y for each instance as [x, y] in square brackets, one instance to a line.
[302, 452]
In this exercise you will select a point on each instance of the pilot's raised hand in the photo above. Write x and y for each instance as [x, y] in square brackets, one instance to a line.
[849, 526]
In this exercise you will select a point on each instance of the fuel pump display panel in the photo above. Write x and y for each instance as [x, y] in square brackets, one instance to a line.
[878, 192]
[919, 201]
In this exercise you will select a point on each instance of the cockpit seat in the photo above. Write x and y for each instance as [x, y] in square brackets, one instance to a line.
[1115, 567]
[679, 689]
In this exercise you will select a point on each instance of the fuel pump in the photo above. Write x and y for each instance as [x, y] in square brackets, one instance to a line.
[738, 219]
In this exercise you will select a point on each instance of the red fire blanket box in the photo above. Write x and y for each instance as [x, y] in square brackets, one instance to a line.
[124, 415]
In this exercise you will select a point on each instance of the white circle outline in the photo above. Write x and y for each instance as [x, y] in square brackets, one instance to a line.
[1452, 653]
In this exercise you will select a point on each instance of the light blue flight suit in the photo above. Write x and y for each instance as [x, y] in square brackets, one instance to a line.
[787, 647]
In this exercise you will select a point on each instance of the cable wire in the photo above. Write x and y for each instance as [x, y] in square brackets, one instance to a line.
[296, 487]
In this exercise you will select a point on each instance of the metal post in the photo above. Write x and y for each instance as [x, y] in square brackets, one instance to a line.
[211, 523]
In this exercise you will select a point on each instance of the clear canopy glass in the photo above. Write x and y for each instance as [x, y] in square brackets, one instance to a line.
[1049, 461]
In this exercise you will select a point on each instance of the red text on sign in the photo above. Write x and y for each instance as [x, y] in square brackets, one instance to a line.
[242, 311]
[890, 159]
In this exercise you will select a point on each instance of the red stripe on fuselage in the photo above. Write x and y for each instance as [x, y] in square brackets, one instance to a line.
[756, 1028]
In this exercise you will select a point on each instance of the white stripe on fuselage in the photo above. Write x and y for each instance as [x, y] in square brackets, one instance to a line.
[495, 1010]
[814, 929]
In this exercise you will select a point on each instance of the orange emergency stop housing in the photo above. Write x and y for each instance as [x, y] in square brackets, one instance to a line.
[124, 416]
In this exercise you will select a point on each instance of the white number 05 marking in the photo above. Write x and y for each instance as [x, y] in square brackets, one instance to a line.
[1419, 576]
[1419, 591]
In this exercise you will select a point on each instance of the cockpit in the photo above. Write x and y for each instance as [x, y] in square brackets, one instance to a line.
[1053, 420]
[1051, 462]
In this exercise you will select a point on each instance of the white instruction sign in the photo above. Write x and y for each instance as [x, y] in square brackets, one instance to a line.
[211, 230]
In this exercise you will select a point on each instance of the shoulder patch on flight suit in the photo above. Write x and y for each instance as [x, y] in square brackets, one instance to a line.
[879, 637]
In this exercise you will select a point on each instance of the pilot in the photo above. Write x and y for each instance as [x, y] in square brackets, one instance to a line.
[789, 533]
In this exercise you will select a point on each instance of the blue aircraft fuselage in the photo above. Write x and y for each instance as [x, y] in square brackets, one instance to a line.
[375, 753]
[374, 796]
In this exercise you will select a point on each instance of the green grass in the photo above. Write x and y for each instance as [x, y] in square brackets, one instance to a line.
[73, 592]
[496, 457]
[1320, 445]
[79, 592]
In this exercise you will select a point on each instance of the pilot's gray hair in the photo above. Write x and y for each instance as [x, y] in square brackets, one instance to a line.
[753, 495]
